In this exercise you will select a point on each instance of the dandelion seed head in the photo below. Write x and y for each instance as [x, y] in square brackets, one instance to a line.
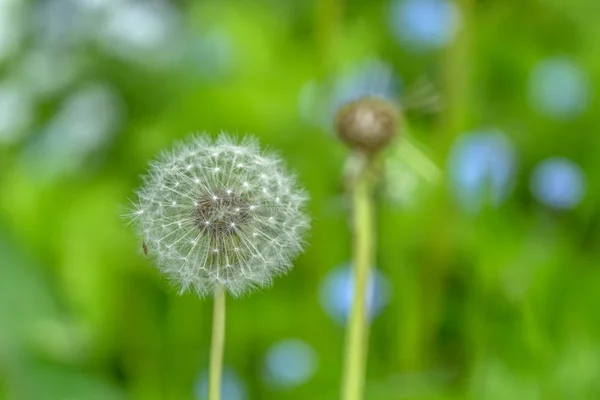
[367, 124]
[218, 213]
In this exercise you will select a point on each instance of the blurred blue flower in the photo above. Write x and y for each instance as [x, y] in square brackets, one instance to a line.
[481, 167]
[423, 24]
[232, 386]
[559, 88]
[558, 183]
[337, 289]
[370, 78]
[290, 363]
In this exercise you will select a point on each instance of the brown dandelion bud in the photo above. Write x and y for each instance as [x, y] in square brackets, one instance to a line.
[367, 124]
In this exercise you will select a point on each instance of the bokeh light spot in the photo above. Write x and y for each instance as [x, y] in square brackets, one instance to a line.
[370, 78]
[16, 109]
[232, 386]
[142, 30]
[337, 290]
[558, 183]
[423, 24]
[319, 103]
[559, 88]
[212, 54]
[290, 363]
[11, 28]
[86, 122]
[481, 167]
[46, 72]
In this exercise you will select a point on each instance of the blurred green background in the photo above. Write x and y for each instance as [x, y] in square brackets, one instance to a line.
[488, 224]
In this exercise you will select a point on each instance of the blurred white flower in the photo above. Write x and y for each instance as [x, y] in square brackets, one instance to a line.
[61, 23]
[98, 5]
[45, 71]
[16, 111]
[136, 31]
[85, 122]
[11, 27]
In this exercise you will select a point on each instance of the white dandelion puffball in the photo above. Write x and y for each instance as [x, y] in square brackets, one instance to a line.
[216, 213]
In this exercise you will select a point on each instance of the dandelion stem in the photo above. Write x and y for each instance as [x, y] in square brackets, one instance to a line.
[216, 346]
[356, 340]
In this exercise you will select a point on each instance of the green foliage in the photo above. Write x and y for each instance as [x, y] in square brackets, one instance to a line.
[501, 304]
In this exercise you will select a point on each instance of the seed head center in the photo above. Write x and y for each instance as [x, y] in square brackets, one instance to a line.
[221, 214]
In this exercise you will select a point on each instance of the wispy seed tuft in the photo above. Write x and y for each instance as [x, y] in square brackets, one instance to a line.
[217, 213]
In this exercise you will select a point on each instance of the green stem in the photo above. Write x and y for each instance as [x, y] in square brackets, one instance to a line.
[356, 341]
[216, 347]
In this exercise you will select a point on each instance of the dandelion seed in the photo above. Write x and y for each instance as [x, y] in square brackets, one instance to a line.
[220, 228]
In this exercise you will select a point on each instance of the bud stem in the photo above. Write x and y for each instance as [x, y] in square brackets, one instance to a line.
[357, 333]
[216, 346]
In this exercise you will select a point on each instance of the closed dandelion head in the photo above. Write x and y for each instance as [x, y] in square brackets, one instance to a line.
[366, 112]
[367, 124]
[221, 214]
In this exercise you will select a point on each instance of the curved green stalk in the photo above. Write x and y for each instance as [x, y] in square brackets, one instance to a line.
[356, 341]
[216, 347]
